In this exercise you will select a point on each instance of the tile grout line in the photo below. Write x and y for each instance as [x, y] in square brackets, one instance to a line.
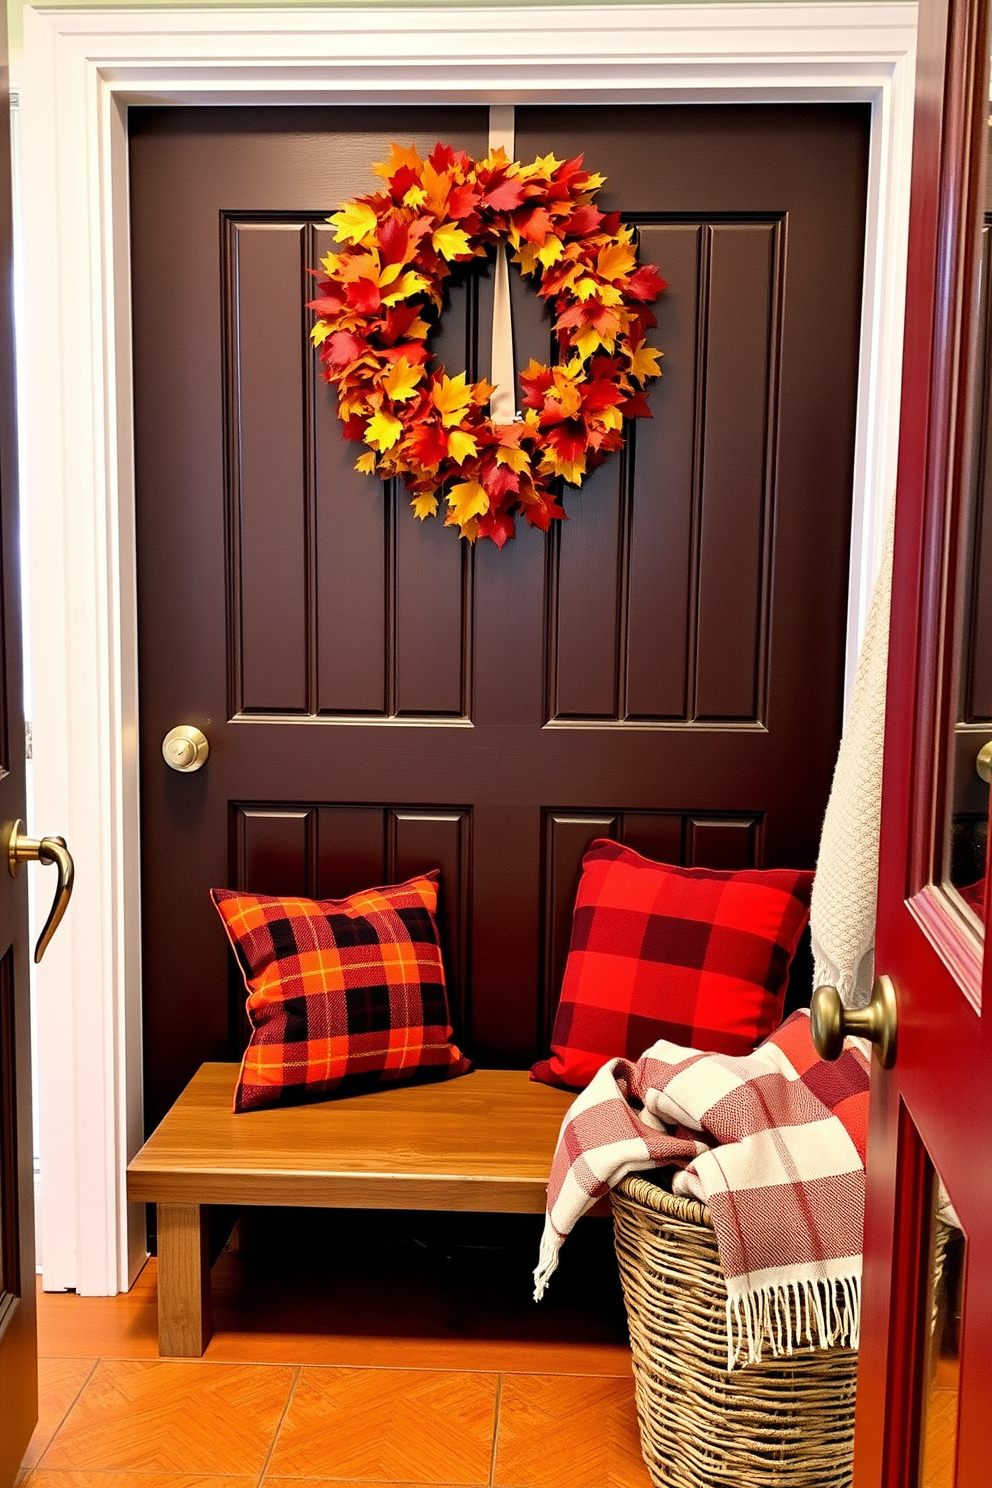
[63, 1418]
[272, 1445]
[310, 1364]
[499, 1401]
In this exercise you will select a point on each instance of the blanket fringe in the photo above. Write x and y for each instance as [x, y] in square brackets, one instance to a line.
[547, 1261]
[787, 1314]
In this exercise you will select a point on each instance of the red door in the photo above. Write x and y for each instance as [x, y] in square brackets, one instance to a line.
[925, 1380]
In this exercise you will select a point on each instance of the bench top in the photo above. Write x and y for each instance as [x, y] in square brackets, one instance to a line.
[482, 1142]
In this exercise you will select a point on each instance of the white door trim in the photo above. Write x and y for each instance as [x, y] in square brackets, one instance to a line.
[81, 70]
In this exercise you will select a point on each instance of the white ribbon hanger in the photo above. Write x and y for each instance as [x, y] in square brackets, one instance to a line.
[503, 403]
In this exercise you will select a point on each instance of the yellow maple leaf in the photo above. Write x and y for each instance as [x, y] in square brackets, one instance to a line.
[615, 259]
[461, 445]
[424, 505]
[415, 197]
[398, 155]
[587, 340]
[383, 430]
[606, 294]
[644, 362]
[517, 459]
[366, 463]
[550, 250]
[408, 284]
[353, 223]
[467, 499]
[329, 262]
[544, 165]
[571, 471]
[526, 257]
[450, 241]
[610, 418]
[400, 382]
[320, 331]
[451, 396]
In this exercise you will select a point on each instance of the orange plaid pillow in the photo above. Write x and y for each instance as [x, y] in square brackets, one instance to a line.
[342, 993]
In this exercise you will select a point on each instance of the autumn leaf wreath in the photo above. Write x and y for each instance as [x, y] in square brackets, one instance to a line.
[382, 296]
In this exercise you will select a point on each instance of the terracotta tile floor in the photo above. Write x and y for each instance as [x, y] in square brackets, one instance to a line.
[395, 1350]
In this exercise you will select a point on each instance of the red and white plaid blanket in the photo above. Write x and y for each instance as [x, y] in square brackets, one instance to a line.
[773, 1143]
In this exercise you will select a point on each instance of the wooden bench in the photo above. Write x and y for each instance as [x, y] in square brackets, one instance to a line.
[481, 1142]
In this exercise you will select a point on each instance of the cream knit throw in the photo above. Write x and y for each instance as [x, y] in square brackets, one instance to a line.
[842, 914]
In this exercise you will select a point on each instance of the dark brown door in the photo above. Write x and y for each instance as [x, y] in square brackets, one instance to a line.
[378, 697]
[18, 1341]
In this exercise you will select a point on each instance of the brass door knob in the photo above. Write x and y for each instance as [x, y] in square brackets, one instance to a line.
[983, 763]
[831, 1022]
[185, 748]
[21, 849]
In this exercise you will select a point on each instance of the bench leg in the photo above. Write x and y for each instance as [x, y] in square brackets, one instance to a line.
[185, 1314]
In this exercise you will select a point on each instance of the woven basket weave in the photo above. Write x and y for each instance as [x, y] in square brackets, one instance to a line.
[783, 1423]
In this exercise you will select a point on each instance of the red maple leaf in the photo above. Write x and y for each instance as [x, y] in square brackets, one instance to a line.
[586, 220]
[600, 394]
[506, 195]
[533, 223]
[429, 444]
[402, 180]
[575, 315]
[636, 406]
[542, 511]
[642, 321]
[394, 240]
[534, 386]
[442, 156]
[568, 439]
[497, 526]
[399, 319]
[499, 480]
[462, 200]
[354, 427]
[570, 171]
[414, 351]
[342, 348]
[326, 305]
[364, 296]
[645, 283]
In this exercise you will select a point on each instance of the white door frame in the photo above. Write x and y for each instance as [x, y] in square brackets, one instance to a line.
[81, 70]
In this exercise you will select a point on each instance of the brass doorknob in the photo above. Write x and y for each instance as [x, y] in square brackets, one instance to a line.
[21, 849]
[983, 763]
[831, 1022]
[185, 748]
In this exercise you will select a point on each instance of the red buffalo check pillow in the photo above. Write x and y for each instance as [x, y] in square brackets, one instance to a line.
[342, 993]
[694, 955]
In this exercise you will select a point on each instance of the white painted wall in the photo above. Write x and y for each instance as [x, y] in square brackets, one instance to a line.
[81, 69]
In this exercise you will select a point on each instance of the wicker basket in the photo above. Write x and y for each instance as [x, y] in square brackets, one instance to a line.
[786, 1422]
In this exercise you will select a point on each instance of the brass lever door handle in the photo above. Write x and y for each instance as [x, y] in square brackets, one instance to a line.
[22, 849]
[831, 1022]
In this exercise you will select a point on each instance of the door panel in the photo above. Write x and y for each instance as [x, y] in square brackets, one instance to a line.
[379, 697]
